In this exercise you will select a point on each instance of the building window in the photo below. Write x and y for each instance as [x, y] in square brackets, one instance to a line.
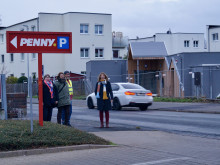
[84, 52]
[33, 56]
[99, 52]
[22, 56]
[215, 36]
[186, 43]
[196, 44]
[12, 57]
[12, 75]
[1, 38]
[33, 28]
[22, 74]
[83, 72]
[3, 58]
[98, 29]
[84, 29]
[115, 53]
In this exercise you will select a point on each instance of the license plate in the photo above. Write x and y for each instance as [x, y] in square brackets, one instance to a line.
[140, 94]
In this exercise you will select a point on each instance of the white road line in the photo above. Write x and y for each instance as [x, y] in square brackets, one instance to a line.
[162, 161]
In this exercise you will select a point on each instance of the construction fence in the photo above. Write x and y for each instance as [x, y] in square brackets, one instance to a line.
[197, 82]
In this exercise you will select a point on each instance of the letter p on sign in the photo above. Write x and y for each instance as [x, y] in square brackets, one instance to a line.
[63, 42]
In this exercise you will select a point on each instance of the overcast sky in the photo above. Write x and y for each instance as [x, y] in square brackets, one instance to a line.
[141, 18]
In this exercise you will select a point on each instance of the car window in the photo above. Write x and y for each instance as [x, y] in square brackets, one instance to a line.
[115, 87]
[131, 86]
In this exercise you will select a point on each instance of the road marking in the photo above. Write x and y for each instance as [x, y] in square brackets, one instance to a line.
[162, 161]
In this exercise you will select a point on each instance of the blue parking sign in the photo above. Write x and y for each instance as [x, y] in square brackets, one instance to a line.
[63, 42]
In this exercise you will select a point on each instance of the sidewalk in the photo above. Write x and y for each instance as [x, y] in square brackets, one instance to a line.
[213, 108]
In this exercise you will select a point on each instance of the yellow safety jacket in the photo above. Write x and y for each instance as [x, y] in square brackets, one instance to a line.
[69, 82]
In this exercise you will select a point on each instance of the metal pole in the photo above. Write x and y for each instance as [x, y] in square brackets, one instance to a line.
[160, 77]
[4, 98]
[138, 81]
[40, 89]
[210, 81]
[28, 65]
[31, 110]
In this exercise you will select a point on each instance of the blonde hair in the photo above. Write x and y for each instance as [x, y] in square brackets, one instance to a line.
[99, 77]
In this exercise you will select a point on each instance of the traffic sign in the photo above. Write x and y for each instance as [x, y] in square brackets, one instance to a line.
[39, 42]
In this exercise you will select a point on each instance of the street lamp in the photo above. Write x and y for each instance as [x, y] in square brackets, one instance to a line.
[28, 64]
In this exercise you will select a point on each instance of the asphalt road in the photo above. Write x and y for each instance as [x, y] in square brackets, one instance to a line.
[195, 124]
[144, 138]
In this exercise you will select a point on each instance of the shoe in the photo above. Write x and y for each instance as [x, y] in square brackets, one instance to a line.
[101, 126]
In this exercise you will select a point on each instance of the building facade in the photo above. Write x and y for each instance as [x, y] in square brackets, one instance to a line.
[91, 40]
[213, 43]
[177, 42]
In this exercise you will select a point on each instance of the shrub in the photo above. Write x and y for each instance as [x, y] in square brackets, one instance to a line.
[12, 80]
[22, 79]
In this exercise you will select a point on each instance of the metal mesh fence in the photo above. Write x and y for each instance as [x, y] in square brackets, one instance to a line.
[198, 82]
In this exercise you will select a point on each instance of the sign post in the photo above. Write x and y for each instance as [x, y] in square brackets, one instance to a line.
[39, 42]
[40, 89]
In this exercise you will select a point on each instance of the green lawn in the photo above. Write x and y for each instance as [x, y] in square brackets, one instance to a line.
[16, 135]
[183, 100]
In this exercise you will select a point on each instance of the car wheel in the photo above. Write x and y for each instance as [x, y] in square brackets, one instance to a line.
[143, 107]
[116, 104]
[90, 103]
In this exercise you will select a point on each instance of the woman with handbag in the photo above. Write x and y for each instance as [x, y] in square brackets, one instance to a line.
[104, 95]
[64, 98]
[50, 98]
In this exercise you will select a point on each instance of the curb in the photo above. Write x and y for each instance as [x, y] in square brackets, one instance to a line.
[189, 111]
[51, 150]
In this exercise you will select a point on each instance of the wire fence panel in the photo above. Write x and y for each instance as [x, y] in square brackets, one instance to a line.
[197, 82]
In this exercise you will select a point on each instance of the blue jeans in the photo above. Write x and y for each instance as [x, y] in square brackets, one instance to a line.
[63, 114]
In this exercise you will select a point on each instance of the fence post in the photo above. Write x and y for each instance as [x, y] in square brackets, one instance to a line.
[4, 98]
[138, 81]
[160, 77]
[210, 81]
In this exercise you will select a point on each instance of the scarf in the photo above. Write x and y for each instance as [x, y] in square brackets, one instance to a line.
[50, 86]
[105, 97]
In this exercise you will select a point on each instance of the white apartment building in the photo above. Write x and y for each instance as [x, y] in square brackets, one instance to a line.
[91, 40]
[177, 42]
[213, 42]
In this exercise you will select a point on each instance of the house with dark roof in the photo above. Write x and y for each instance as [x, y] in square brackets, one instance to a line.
[144, 60]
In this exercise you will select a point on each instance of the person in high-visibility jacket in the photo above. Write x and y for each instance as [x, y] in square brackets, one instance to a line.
[70, 86]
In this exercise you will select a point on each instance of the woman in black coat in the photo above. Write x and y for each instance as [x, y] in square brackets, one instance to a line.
[50, 97]
[104, 95]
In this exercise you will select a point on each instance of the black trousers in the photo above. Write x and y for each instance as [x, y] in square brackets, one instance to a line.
[47, 113]
[66, 110]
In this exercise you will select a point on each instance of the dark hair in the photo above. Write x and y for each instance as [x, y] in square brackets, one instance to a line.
[58, 76]
[106, 77]
[46, 75]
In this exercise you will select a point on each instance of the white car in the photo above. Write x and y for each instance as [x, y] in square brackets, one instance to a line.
[125, 95]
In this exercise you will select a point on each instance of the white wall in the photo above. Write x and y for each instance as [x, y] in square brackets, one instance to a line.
[18, 66]
[68, 22]
[71, 23]
[213, 45]
[175, 42]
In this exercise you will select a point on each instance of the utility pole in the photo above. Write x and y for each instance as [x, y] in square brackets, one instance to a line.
[28, 66]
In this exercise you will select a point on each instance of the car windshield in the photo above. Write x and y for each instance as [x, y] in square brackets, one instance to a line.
[131, 86]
